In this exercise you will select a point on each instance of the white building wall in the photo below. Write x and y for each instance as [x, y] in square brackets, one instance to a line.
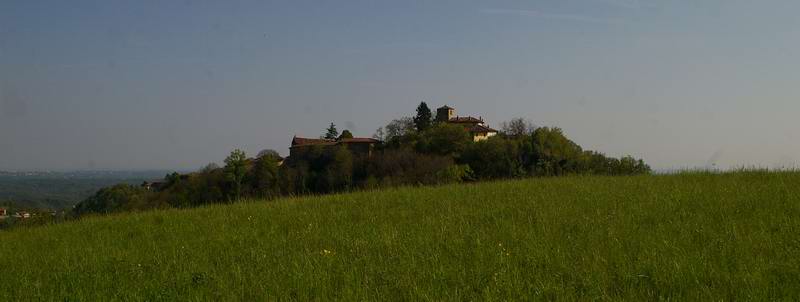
[477, 137]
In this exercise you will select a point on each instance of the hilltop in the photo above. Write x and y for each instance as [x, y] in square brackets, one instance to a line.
[695, 236]
[417, 150]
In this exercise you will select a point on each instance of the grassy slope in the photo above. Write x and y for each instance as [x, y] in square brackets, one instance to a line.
[686, 237]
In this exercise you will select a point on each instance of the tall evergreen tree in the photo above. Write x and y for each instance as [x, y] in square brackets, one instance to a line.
[331, 132]
[424, 117]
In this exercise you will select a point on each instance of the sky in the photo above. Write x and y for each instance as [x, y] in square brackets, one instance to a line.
[112, 85]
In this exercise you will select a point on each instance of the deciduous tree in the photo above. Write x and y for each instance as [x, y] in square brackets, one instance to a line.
[554, 153]
[235, 170]
[399, 127]
[346, 134]
[268, 153]
[265, 176]
[379, 134]
[517, 127]
[444, 139]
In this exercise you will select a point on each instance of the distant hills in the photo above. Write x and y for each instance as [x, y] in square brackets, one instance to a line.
[59, 190]
[117, 174]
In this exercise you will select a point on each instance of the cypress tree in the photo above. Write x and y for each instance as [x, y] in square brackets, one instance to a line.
[424, 117]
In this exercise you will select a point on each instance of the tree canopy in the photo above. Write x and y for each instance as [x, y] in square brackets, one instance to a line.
[331, 132]
[517, 127]
[346, 134]
[268, 153]
[235, 169]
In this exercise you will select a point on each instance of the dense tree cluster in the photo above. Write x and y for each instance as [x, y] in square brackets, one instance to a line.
[415, 151]
[118, 198]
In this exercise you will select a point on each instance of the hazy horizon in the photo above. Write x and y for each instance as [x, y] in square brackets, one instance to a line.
[174, 85]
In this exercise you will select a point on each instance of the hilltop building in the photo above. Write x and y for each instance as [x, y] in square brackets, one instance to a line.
[365, 146]
[356, 145]
[476, 126]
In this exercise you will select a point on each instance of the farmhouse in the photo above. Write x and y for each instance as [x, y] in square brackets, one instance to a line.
[476, 127]
[357, 145]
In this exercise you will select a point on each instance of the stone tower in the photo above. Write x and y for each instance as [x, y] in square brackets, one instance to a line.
[445, 113]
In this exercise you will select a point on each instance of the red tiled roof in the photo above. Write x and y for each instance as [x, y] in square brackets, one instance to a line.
[481, 129]
[465, 119]
[299, 141]
[302, 142]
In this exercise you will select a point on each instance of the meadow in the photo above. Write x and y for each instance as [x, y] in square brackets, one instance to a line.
[688, 236]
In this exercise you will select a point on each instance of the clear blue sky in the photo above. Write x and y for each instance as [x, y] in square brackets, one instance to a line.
[178, 84]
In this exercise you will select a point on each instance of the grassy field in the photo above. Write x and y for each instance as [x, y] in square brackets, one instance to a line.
[699, 236]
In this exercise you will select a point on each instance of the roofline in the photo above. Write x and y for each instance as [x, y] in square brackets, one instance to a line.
[365, 140]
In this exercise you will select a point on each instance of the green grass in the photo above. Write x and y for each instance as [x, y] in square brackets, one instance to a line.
[697, 236]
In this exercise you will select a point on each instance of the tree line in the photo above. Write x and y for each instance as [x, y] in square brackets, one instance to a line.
[414, 151]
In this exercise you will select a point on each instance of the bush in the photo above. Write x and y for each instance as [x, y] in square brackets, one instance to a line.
[496, 157]
[405, 167]
[553, 153]
[444, 139]
[454, 174]
[122, 197]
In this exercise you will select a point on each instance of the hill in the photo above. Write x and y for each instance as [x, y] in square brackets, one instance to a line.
[697, 236]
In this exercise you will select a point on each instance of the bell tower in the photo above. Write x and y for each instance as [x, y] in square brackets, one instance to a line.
[445, 113]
